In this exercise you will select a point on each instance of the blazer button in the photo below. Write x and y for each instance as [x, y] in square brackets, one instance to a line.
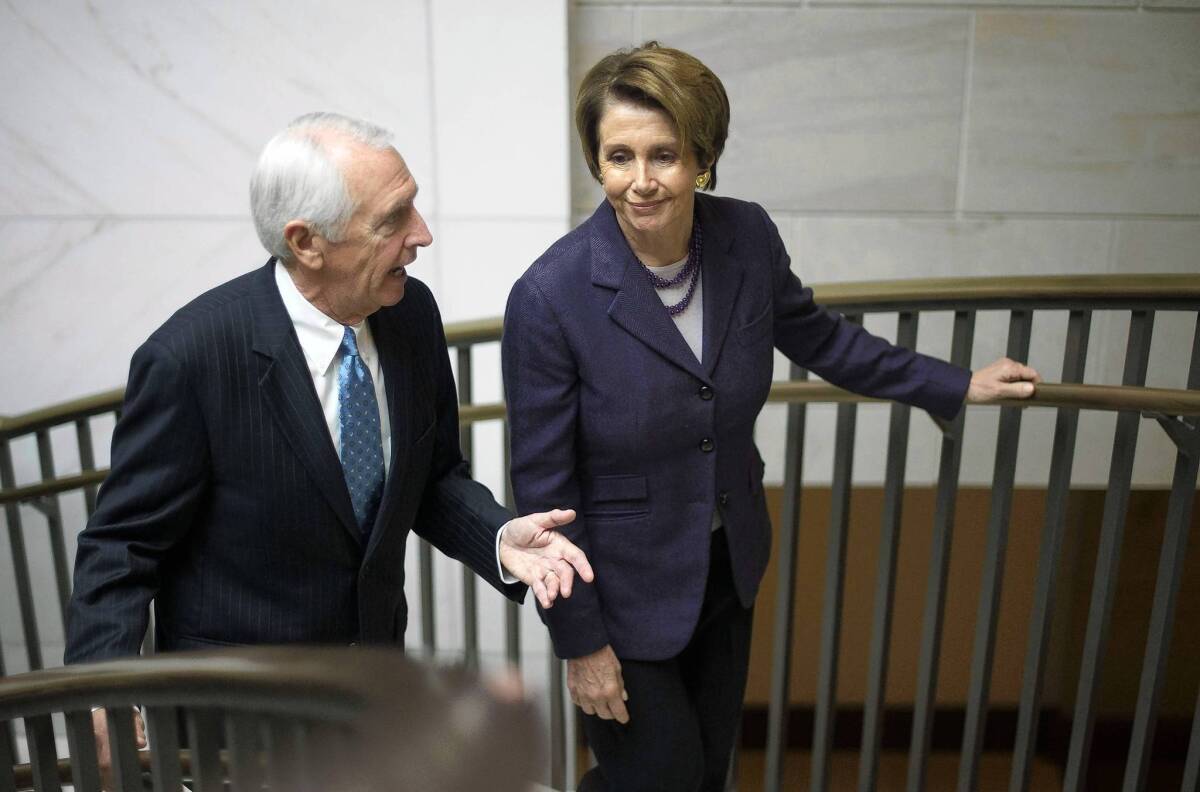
[723, 498]
[706, 393]
[707, 445]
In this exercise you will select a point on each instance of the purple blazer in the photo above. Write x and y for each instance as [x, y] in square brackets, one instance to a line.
[612, 415]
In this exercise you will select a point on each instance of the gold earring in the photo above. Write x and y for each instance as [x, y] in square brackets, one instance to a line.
[702, 180]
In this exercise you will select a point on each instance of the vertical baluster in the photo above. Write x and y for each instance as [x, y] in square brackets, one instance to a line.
[885, 576]
[835, 573]
[428, 598]
[1058, 488]
[162, 727]
[512, 611]
[1166, 591]
[8, 758]
[1003, 473]
[87, 460]
[286, 744]
[43, 758]
[204, 738]
[122, 741]
[785, 596]
[53, 512]
[81, 745]
[243, 730]
[1191, 766]
[20, 562]
[1104, 579]
[466, 443]
[939, 566]
[558, 724]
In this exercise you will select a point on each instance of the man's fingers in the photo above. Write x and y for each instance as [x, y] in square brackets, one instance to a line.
[539, 591]
[603, 712]
[566, 578]
[555, 518]
[577, 558]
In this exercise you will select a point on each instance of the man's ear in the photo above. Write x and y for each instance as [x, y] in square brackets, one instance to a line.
[306, 245]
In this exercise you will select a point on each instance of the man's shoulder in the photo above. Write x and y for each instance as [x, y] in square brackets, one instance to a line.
[217, 312]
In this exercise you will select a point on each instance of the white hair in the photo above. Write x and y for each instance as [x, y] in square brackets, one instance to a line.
[296, 178]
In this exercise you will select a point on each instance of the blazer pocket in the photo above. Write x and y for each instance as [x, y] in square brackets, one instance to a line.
[753, 331]
[613, 497]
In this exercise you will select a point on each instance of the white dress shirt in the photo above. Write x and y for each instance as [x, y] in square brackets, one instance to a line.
[321, 342]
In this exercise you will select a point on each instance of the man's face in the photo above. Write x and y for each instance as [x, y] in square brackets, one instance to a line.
[365, 270]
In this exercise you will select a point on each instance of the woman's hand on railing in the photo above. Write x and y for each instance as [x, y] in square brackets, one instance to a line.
[1004, 379]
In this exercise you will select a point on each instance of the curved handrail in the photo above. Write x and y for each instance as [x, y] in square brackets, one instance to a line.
[1110, 398]
[924, 293]
[398, 709]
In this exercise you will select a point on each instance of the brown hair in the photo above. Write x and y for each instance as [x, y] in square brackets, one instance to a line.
[662, 78]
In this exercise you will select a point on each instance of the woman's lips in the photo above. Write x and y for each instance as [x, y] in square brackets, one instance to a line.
[645, 207]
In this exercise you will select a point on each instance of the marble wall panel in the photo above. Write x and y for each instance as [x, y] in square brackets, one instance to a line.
[1038, 3]
[160, 108]
[1085, 112]
[501, 110]
[833, 109]
[78, 296]
[831, 249]
[595, 32]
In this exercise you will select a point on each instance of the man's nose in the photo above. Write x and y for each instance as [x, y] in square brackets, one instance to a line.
[421, 235]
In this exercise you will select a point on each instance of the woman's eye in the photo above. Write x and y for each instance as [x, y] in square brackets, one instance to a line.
[618, 158]
[666, 157]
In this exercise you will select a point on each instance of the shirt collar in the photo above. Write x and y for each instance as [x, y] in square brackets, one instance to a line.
[320, 336]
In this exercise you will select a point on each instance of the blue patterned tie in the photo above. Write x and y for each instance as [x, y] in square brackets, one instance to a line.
[362, 449]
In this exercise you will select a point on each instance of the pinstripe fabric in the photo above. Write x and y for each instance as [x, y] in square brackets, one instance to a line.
[227, 504]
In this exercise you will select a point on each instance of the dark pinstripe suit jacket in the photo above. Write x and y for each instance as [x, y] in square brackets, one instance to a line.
[226, 502]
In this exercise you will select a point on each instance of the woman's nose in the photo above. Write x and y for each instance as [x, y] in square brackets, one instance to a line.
[642, 180]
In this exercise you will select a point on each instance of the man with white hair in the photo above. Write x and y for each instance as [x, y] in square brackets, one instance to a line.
[283, 433]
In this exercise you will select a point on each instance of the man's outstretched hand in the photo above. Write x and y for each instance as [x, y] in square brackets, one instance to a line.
[534, 552]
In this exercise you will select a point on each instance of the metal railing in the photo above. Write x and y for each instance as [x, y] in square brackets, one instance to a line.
[292, 718]
[1140, 298]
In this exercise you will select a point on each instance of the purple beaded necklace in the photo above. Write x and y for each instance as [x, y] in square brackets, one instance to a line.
[690, 270]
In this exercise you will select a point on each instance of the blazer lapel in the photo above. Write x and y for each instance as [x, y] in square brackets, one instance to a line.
[635, 306]
[287, 390]
[722, 280]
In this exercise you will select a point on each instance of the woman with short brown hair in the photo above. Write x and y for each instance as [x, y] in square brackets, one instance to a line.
[638, 352]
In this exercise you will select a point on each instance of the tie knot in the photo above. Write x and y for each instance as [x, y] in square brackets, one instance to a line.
[349, 343]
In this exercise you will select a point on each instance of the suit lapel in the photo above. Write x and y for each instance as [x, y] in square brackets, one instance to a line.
[287, 390]
[635, 306]
[395, 362]
[722, 276]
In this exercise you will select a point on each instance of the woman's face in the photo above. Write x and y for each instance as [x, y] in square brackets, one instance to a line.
[647, 176]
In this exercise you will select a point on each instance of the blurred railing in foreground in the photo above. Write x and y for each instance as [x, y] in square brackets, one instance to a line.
[1137, 299]
[291, 718]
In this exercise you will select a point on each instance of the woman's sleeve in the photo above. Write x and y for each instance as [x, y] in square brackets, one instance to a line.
[541, 385]
[845, 354]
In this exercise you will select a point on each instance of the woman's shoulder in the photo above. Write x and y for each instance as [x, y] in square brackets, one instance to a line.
[563, 262]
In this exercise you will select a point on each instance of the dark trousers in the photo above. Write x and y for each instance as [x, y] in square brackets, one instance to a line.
[683, 712]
